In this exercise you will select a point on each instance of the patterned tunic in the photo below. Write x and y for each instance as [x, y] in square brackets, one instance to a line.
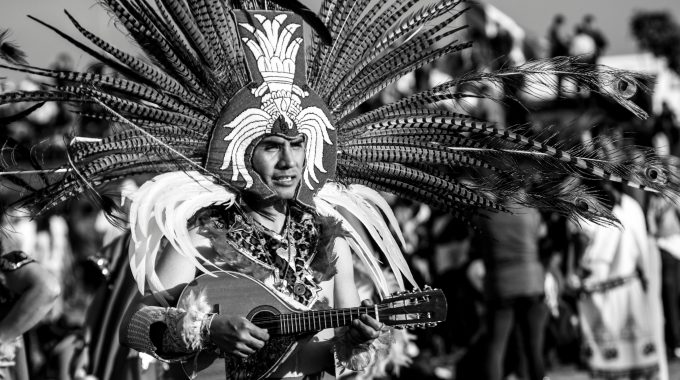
[291, 263]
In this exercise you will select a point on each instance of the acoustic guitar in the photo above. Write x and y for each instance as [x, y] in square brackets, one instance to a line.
[236, 294]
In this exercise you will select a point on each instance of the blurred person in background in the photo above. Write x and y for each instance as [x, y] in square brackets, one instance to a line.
[514, 287]
[588, 42]
[558, 37]
[52, 342]
[665, 134]
[663, 219]
[459, 273]
[559, 41]
[587, 27]
[562, 340]
[27, 293]
[616, 306]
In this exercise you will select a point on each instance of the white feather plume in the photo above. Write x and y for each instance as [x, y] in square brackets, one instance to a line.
[160, 209]
[367, 207]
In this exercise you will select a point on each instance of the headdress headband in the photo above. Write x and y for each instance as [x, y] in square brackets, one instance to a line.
[276, 101]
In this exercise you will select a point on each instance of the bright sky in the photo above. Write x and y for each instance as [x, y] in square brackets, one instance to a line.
[612, 16]
[43, 46]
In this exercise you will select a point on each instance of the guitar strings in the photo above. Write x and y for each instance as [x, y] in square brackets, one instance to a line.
[325, 313]
[307, 318]
[341, 312]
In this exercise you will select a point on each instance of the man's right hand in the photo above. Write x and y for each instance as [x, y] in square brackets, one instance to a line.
[237, 335]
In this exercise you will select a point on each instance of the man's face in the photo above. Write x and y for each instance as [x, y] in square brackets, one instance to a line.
[279, 162]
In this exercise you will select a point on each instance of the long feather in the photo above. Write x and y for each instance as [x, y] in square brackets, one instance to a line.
[153, 212]
[309, 16]
[357, 245]
[157, 48]
[354, 203]
[142, 110]
[446, 189]
[400, 57]
[421, 40]
[458, 210]
[149, 74]
[534, 77]
[344, 108]
[5, 120]
[9, 51]
[422, 16]
[40, 96]
[130, 88]
[338, 44]
[110, 62]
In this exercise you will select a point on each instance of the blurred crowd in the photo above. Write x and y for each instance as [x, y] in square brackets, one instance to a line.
[527, 291]
[586, 40]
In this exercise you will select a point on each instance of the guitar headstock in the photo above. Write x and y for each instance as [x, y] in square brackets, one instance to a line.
[417, 308]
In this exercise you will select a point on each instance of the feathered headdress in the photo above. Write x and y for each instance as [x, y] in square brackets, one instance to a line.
[175, 105]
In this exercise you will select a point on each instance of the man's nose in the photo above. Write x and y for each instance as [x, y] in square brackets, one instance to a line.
[286, 159]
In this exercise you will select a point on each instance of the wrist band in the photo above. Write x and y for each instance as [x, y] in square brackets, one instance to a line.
[205, 330]
[195, 323]
[359, 357]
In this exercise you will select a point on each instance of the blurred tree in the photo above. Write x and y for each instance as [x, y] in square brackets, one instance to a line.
[658, 33]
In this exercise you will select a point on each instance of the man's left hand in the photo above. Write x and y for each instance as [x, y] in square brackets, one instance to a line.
[365, 329]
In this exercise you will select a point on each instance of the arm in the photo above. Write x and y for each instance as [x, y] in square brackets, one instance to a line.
[353, 346]
[149, 326]
[318, 355]
[38, 290]
[365, 329]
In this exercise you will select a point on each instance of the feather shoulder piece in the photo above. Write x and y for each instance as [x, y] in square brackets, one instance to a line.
[365, 215]
[159, 210]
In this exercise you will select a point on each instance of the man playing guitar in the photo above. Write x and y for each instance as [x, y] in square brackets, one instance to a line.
[279, 160]
[268, 230]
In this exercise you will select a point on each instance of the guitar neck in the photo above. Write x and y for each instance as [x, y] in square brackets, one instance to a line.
[314, 320]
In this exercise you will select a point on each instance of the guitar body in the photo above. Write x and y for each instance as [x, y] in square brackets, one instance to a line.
[242, 296]
[235, 294]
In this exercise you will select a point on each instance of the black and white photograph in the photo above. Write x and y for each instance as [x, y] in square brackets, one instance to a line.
[339, 189]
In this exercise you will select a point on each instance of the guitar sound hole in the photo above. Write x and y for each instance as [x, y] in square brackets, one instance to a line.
[265, 317]
[262, 316]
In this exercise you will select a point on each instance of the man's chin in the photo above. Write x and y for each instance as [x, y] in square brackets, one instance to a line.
[286, 195]
[284, 192]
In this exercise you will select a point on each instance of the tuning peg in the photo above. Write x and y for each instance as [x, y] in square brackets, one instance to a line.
[428, 287]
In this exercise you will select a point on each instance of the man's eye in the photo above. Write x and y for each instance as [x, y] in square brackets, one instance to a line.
[271, 147]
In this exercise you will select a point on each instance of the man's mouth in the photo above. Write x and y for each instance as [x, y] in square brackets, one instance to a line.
[284, 180]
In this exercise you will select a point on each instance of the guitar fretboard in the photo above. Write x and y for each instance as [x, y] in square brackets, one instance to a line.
[314, 320]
